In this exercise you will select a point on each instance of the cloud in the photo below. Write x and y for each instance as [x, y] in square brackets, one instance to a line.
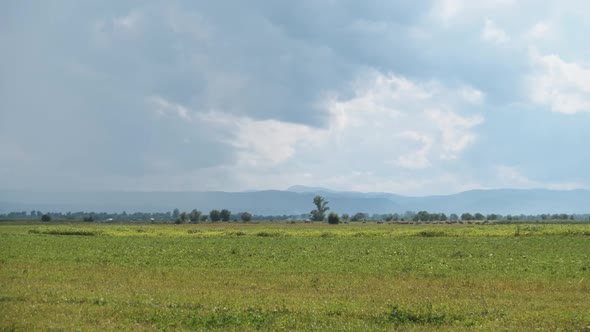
[389, 123]
[472, 95]
[419, 157]
[562, 86]
[129, 23]
[492, 33]
[353, 95]
[540, 30]
[449, 10]
[456, 134]
[260, 143]
[164, 107]
[511, 177]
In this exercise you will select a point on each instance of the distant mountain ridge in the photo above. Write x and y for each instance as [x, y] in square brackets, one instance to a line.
[298, 200]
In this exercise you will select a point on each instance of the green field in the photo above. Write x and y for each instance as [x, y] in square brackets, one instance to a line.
[282, 276]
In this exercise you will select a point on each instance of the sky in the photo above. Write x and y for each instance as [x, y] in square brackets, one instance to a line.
[408, 97]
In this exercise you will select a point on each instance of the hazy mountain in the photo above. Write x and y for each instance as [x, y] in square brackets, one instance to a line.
[298, 200]
[306, 189]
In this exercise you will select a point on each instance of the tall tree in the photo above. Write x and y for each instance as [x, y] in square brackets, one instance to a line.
[225, 215]
[246, 216]
[214, 215]
[194, 216]
[321, 208]
[467, 216]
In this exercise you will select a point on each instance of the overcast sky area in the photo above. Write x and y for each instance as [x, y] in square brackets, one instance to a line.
[409, 97]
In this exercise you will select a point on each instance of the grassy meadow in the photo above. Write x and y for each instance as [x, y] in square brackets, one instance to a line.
[283, 276]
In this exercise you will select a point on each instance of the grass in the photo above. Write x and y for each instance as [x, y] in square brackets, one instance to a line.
[234, 276]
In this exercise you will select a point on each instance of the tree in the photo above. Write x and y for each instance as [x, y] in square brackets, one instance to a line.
[422, 216]
[195, 216]
[479, 216]
[215, 215]
[175, 214]
[359, 216]
[321, 207]
[466, 216]
[204, 217]
[454, 216]
[443, 217]
[183, 217]
[225, 215]
[245, 216]
[46, 217]
[333, 218]
[345, 217]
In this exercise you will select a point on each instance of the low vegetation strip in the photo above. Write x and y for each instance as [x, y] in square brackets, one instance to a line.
[303, 230]
[62, 231]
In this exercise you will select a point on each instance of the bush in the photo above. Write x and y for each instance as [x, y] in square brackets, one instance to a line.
[333, 218]
[431, 233]
[45, 217]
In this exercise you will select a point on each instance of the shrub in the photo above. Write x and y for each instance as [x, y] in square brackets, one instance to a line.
[333, 218]
[45, 217]
[431, 233]
[400, 315]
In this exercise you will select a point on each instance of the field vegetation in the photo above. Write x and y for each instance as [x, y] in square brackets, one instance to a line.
[294, 276]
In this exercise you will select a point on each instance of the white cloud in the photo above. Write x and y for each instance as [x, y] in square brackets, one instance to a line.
[130, 23]
[541, 30]
[511, 177]
[104, 31]
[419, 157]
[413, 123]
[446, 11]
[562, 86]
[456, 133]
[390, 124]
[188, 23]
[472, 95]
[492, 33]
[260, 143]
[163, 107]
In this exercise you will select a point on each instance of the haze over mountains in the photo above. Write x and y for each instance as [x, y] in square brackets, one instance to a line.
[298, 200]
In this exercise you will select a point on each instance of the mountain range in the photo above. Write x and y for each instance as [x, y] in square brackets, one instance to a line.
[298, 200]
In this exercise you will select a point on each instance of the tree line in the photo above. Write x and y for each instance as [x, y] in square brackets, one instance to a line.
[320, 213]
